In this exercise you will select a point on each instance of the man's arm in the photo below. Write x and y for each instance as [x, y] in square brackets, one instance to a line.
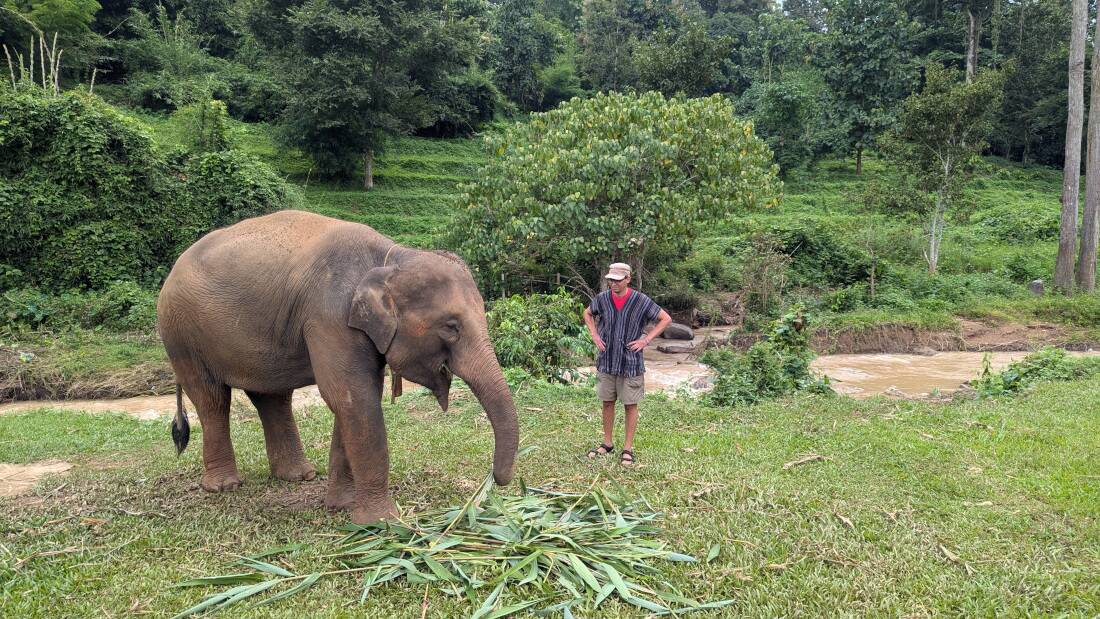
[590, 322]
[663, 321]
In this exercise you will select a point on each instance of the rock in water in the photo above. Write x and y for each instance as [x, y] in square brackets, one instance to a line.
[675, 349]
[677, 331]
[1036, 287]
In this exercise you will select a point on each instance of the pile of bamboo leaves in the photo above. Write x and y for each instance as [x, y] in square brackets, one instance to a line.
[553, 552]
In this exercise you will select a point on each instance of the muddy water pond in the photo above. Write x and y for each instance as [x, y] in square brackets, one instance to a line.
[855, 375]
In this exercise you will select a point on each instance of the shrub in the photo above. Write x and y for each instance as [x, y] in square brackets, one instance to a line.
[775, 366]
[1046, 365]
[86, 198]
[612, 178]
[229, 186]
[253, 96]
[1018, 223]
[121, 306]
[542, 333]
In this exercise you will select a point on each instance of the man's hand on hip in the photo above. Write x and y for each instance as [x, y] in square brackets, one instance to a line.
[598, 341]
[638, 344]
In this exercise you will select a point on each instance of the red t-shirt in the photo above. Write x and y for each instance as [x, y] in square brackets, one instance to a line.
[620, 301]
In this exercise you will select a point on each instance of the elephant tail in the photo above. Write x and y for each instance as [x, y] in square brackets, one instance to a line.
[181, 429]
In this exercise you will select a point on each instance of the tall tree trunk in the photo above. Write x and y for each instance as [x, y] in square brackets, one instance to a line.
[935, 235]
[1090, 225]
[368, 170]
[1071, 172]
[859, 160]
[973, 34]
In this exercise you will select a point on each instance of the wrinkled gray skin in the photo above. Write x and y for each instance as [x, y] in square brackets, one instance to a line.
[293, 299]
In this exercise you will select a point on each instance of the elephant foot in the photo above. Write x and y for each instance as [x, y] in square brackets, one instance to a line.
[297, 471]
[339, 499]
[379, 510]
[220, 482]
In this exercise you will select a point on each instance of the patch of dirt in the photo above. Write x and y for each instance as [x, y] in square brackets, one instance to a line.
[17, 479]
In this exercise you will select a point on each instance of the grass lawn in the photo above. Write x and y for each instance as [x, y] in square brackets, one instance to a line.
[976, 508]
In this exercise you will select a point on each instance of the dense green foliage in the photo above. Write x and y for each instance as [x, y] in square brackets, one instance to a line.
[541, 333]
[1046, 365]
[609, 178]
[940, 136]
[775, 366]
[120, 306]
[87, 199]
[867, 90]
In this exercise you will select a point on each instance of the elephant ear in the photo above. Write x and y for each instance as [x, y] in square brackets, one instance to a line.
[373, 310]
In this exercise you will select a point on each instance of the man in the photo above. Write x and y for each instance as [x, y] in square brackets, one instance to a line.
[622, 314]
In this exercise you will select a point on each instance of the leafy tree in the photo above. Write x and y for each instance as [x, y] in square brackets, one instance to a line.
[606, 40]
[812, 12]
[684, 60]
[604, 179]
[166, 60]
[868, 66]
[777, 41]
[793, 113]
[523, 43]
[560, 81]
[1032, 122]
[736, 20]
[70, 19]
[358, 72]
[940, 137]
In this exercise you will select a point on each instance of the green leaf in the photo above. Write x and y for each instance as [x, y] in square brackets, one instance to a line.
[306, 583]
[228, 579]
[368, 582]
[646, 604]
[437, 568]
[489, 603]
[277, 551]
[228, 598]
[617, 580]
[266, 567]
[505, 611]
[714, 552]
[582, 570]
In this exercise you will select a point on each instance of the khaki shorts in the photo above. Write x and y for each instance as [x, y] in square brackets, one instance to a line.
[626, 389]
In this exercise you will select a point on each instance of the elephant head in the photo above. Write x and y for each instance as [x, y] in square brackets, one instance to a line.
[427, 317]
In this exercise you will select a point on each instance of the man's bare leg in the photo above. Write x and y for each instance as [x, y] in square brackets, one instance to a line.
[631, 425]
[609, 422]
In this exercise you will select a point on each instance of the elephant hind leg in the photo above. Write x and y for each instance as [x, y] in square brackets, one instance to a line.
[284, 445]
[211, 401]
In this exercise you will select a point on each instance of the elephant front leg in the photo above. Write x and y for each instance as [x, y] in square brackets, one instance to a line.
[363, 437]
[341, 484]
[351, 384]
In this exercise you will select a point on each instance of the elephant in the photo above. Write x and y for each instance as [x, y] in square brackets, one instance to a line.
[291, 299]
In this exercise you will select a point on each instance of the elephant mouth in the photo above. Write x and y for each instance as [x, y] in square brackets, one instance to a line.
[443, 389]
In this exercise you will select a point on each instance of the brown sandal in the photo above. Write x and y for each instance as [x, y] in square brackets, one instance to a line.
[626, 457]
[595, 451]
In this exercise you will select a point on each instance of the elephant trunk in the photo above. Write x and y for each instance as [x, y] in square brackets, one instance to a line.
[481, 371]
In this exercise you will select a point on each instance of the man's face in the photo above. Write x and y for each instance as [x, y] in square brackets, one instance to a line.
[619, 286]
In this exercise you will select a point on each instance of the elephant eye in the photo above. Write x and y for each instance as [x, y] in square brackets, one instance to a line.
[450, 331]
